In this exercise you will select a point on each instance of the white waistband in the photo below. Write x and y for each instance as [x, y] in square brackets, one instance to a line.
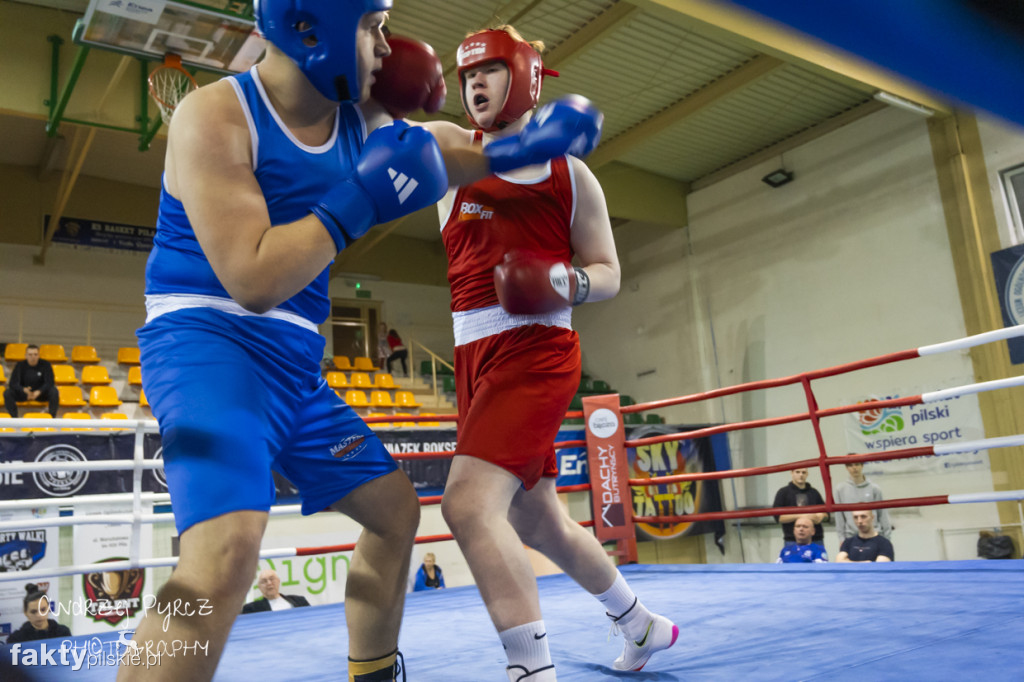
[161, 304]
[473, 325]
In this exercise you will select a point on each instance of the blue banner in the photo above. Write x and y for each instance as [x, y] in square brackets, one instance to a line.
[1008, 270]
[105, 235]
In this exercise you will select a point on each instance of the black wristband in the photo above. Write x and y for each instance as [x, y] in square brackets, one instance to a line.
[582, 286]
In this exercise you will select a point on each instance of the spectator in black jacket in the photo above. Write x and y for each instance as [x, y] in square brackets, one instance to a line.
[799, 493]
[36, 606]
[32, 379]
[270, 586]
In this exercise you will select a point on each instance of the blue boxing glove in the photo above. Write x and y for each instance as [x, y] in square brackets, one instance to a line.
[571, 125]
[400, 170]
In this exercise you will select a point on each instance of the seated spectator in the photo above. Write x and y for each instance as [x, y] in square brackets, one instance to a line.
[867, 544]
[429, 575]
[270, 586]
[859, 489]
[36, 606]
[32, 379]
[803, 551]
[799, 493]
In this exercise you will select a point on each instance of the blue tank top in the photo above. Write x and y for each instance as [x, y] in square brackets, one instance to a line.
[292, 176]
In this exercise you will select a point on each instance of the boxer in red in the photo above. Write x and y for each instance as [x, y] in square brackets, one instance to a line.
[510, 239]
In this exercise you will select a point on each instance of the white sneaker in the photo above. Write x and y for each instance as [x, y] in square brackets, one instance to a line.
[660, 633]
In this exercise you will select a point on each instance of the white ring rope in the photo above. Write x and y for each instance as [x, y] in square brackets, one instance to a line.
[972, 341]
[959, 391]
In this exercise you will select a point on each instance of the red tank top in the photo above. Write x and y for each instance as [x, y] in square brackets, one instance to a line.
[495, 215]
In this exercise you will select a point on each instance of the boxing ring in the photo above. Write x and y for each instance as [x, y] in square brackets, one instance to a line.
[895, 621]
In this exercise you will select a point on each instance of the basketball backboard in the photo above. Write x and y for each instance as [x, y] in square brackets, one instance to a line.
[206, 38]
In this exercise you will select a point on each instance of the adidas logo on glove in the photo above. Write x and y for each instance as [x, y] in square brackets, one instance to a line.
[404, 185]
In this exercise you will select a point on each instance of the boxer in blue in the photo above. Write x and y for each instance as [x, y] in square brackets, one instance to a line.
[268, 175]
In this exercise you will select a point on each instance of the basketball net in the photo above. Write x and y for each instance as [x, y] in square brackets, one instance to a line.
[168, 85]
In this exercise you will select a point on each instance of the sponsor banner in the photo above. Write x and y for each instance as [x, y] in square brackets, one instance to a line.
[897, 428]
[109, 600]
[689, 497]
[1008, 270]
[95, 233]
[609, 478]
[21, 550]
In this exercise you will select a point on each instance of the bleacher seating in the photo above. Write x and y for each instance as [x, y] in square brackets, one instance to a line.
[3, 377]
[15, 352]
[37, 415]
[128, 356]
[404, 414]
[84, 354]
[76, 415]
[5, 429]
[363, 364]
[114, 415]
[71, 396]
[135, 375]
[64, 374]
[378, 425]
[143, 402]
[52, 352]
[356, 398]
[381, 399]
[405, 399]
[337, 380]
[428, 414]
[342, 363]
[360, 380]
[104, 396]
[95, 375]
[385, 381]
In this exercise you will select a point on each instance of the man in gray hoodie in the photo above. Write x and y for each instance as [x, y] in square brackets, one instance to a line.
[859, 489]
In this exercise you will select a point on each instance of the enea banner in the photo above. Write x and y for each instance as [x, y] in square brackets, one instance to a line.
[1008, 270]
[21, 550]
[897, 428]
[99, 234]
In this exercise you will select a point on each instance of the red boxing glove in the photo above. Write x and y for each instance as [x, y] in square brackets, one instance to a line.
[530, 284]
[410, 78]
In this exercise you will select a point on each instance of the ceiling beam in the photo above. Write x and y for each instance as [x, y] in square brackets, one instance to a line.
[601, 26]
[746, 74]
[733, 24]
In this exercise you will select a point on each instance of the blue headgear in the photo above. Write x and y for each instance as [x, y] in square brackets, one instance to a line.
[330, 64]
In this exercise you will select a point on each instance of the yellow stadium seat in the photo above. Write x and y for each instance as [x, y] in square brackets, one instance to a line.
[356, 398]
[128, 356]
[337, 380]
[15, 352]
[3, 377]
[381, 399]
[95, 374]
[341, 362]
[363, 364]
[405, 399]
[404, 414]
[104, 396]
[37, 415]
[76, 415]
[385, 380]
[142, 399]
[361, 380]
[71, 396]
[4, 429]
[428, 414]
[135, 375]
[376, 425]
[114, 415]
[52, 352]
[84, 354]
[64, 374]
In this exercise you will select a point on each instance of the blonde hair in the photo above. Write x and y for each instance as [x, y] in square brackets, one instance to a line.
[537, 45]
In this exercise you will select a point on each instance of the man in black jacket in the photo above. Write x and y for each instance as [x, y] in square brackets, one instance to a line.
[32, 379]
[799, 493]
[270, 585]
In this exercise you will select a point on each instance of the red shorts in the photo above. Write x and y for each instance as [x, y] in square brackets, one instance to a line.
[513, 390]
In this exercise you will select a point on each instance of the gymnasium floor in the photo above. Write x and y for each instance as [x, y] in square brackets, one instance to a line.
[954, 620]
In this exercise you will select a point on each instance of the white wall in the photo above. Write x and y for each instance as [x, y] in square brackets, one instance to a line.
[1003, 144]
[849, 261]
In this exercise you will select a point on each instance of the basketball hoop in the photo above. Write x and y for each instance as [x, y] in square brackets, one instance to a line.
[169, 83]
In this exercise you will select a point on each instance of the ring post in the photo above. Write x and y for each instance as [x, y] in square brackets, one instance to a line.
[608, 467]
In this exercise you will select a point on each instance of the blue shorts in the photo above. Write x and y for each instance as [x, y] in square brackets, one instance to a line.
[237, 397]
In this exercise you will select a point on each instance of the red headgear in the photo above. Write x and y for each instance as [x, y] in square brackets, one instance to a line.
[525, 72]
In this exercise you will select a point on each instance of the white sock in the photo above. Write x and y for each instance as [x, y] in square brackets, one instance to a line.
[526, 646]
[623, 606]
